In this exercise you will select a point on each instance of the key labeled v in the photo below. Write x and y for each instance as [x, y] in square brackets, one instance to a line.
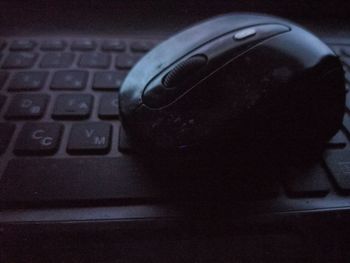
[89, 132]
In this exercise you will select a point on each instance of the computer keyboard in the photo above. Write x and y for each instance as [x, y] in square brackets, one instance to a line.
[61, 144]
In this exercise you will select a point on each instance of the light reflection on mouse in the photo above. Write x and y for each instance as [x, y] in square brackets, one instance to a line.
[232, 82]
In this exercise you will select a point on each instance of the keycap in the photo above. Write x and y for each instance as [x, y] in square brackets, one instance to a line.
[73, 180]
[84, 45]
[22, 45]
[69, 80]
[57, 60]
[6, 132]
[27, 106]
[141, 46]
[3, 78]
[113, 45]
[38, 138]
[90, 138]
[126, 61]
[72, 106]
[53, 45]
[2, 100]
[339, 140]
[108, 80]
[109, 106]
[307, 181]
[338, 163]
[19, 60]
[26, 81]
[94, 60]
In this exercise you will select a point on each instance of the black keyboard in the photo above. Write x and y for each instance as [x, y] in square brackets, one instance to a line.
[61, 144]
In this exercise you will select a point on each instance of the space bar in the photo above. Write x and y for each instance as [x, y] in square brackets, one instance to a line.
[82, 179]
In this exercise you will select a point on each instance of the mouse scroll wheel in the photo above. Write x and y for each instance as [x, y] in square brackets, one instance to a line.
[184, 70]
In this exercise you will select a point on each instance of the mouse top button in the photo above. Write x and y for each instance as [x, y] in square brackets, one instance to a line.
[245, 33]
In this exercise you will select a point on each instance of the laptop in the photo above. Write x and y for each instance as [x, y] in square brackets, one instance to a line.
[72, 189]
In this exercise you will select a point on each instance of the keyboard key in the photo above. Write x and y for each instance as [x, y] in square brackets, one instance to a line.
[57, 60]
[38, 138]
[307, 182]
[53, 45]
[90, 138]
[108, 80]
[22, 45]
[19, 60]
[95, 60]
[69, 80]
[141, 46]
[126, 61]
[109, 107]
[338, 163]
[73, 106]
[2, 100]
[6, 132]
[114, 45]
[79, 179]
[31, 80]
[27, 106]
[84, 45]
[3, 78]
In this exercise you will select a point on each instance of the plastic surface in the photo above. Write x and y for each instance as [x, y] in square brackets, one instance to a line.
[279, 85]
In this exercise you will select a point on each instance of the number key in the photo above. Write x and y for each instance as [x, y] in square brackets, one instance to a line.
[20, 60]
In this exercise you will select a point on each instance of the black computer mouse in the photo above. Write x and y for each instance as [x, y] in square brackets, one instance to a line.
[232, 82]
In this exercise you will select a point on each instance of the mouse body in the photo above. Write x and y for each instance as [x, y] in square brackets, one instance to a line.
[235, 81]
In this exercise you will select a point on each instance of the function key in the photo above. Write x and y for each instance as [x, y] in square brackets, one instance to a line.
[108, 80]
[6, 132]
[84, 45]
[95, 60]
[3, 77]
[38, 138]
[26, 81]
[19, 60]
[90, 138]
[126, 61]
[57, 60]
[109, 107]
[114, 45]
[141, 46]
[22, 45]
[69, 80]
[307, 182]
[53, 45]
[73, 106]
[27, 106]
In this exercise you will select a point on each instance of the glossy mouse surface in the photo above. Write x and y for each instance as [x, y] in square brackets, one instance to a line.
[238, 80]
